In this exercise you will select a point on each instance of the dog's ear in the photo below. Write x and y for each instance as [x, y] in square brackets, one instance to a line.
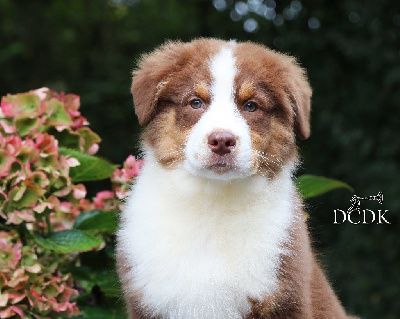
[150, 78]
[299, 92]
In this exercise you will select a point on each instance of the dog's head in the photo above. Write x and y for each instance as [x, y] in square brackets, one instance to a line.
[222, 110]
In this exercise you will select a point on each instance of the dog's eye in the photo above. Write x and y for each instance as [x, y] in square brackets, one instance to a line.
[196, 103]
[250, 107]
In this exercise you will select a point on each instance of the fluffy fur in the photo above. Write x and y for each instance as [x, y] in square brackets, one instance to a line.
[209, 234]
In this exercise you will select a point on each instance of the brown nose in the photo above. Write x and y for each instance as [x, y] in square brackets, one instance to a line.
[221, 142]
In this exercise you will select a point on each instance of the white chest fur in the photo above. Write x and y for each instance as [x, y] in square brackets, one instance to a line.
[199, 248]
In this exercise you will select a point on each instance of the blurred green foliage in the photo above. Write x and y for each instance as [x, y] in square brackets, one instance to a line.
[350, 48]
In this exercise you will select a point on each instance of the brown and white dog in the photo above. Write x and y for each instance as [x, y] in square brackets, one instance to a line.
[213, 227]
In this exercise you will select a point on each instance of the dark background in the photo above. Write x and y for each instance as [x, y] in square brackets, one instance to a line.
[350, 48]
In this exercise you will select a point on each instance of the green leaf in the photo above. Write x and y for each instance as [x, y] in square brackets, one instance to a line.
[106, 283]
[106, 279]
[91, 168]
[97, 312]
[311, 185]
[67, 241]
[97, 220]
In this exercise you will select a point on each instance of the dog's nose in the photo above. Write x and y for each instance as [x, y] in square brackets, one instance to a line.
[221, 142]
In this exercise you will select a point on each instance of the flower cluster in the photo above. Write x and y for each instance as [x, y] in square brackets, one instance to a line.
[38, 196]
[33, 179]
[30, 284]
[35, 183]
[121, 177]
[45, 111]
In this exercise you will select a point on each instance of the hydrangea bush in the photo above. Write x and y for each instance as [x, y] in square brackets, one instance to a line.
[46, 221]
[54, 241]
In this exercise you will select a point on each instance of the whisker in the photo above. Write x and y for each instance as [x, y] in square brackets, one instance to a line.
[172, 152]
[175, 161]
[267, 160]
[264, 159]
[268, 154]
[264, 155]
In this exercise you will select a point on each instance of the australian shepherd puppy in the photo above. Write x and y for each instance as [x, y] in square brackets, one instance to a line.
[213, 226]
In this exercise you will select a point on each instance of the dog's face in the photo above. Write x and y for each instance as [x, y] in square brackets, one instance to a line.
[223, 110]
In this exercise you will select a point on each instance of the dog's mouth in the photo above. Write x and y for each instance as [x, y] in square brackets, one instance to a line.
[221, 165]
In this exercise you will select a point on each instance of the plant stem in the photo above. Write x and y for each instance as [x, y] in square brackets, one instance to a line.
[22, 232]
[49, 228]
[2, 226]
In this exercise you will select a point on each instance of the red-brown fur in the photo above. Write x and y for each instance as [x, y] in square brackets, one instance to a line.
[304, 291]
[163, 86]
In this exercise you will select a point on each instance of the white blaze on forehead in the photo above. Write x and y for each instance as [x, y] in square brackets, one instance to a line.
[222, 114]
[223, 71]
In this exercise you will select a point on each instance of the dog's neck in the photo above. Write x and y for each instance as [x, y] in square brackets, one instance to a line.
[182, 185]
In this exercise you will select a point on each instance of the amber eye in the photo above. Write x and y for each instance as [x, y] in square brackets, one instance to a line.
[196, 103]
[250, 107]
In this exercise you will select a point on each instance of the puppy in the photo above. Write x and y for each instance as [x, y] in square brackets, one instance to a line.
[213, 226]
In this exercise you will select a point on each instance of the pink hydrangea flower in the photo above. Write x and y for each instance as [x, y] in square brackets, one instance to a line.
[105, 200]
[37, 192]
[133, 166]
[10, 254]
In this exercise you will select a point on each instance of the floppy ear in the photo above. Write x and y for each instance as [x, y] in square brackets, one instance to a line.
[150, 78]
[300, 92]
